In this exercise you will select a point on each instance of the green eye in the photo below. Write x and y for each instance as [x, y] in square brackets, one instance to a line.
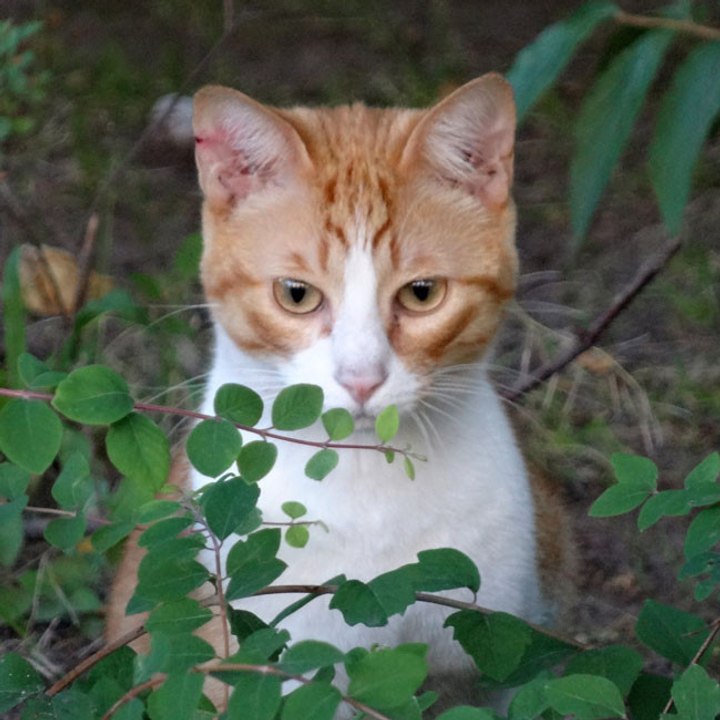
[422, 295]
[296, 296]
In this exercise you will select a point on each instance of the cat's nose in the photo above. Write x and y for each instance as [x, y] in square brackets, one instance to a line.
[361, 386]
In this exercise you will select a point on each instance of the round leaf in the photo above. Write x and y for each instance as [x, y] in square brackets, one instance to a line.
[297, 536]
[30, 434]
[338, 423]
[93, 395]
[294, 510]
[587, 697]
[227, 504]
[321, 464]
[213, 446]
[387, 424]
[238, 404]
[256, 460]
[297, 406]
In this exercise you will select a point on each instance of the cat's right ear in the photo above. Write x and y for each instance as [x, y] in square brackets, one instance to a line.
[242, 147]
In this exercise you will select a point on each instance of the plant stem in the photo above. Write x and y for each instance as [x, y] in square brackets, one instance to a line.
[133, 693]
[704, 32]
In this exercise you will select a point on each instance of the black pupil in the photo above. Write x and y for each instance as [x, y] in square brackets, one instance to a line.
[297, 292]
[422, 289]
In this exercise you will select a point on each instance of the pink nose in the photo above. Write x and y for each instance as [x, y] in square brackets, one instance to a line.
[361, 387]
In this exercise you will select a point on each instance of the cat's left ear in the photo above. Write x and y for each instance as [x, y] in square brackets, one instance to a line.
[468, 140]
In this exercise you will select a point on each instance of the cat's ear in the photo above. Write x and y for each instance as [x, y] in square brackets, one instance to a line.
[242, 147]
[468, 140]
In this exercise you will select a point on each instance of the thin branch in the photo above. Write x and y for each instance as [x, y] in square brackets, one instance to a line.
[704, 32]
[584, 340]
[85, 262]
[132, 694]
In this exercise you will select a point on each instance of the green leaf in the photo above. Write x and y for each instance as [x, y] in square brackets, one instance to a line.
[263, 645]
[672, 633]
[409, 467]
[648, 697]
[163, 576]
[177, 698]
[178, 616]
[465, 712]
[14, 481]
[227, 503]
[587, 697]
[321, 464]
[297, 536]
[297, 406]
[538, 65]
[705, 473]
[255, 697]
[137, 447]
[213, 446]
[446, 569]
[11, 530]
[36, 375]
[529, 701]
[704, 531]
[163, 531]
[338, 424]
[294, 510]
[387, 424]
[316, 701]
[110, 535]
[696, 695]
[358, 604]
[156, 510]
[257, 459]
[18, 680]
[395, 590]
[309, 655]
[668, 503]
[66, 533]
[617, 663]
[606, 121]
[173, 654]
[93, 395]
[252, 564]
[684, 120]
[238, 404]
[73, 486]
[495, 641]
[637, 480]
[14, 340]
[634, 470]
[30, 434]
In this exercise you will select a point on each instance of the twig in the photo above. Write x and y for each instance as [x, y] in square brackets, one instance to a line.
[584, 340]
[85, 263]
[705, 32]
[132, 694]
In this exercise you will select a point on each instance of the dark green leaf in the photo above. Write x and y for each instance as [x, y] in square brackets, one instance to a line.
[586, 697]
[395, 590]
[177, 698]
[529, 701]
[137, 447]
[173, 654]
[294, 510]
[227, 503]
[618, 499]
[36, 375]
[297, 536]
[338, 424]
[297, 406]
[387, 677]
[606, 121]
[264, 645]
[705, 473]
[14, 340]
[213, 446]
[255, 697]
[110, 535]
[168, 577]
[73, 486]
[157, 510]
[617, 663]
[684, 121]
[648, 697]
[11, 530]
[257, 459]
[672, 633]
[316, 701]
[359, 604]
[446, 569]
[13, 481]
[704, 531]
[18, 680]
[163, 530]
[665, 504]
[696, 695]
[238, 404]
[66, 533]
[30, 434]
[495, 641]
[465, 712]
[252, 564]
[244, 623]
[387, 424]
[309, 655]
[321, 464]
[93, 395]
[178, 616]
[538, 65]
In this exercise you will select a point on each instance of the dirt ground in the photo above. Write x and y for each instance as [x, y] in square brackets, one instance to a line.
[654, 388]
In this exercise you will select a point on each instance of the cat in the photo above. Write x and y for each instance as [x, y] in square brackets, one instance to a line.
[371, 252]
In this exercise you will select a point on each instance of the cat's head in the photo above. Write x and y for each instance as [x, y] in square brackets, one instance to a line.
[359, 249]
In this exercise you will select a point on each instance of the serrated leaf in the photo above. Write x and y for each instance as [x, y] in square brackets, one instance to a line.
[670, 632]
[705, 473]
[73, 486]
[617, 663]
[495, 641]
[387, 677]
[177, 698]
[213, 446]
[317, 701]
[696, 695]
[18, 680]
[358, 604]
[238, 404]
[387, 423]
[586, 697]
[704, 531]
[538, 65]
[178, 616]
[308, 655]
[684, 120]
[255, 697]
[338, 424]
[30, 434]
[227, 503]
[293, 509]
[606, 121]
[137, 447]
[257, 459]
[297, 536]
[668, 503]
[93, 395]
[321, 464]
[66, 533]
[297, 406]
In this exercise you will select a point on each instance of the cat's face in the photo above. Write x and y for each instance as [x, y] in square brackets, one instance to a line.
[362, 250]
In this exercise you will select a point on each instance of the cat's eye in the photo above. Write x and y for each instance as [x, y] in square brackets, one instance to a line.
[422, 295]
[297, 296]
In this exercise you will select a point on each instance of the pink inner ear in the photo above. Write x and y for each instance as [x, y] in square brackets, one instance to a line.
[492, 177]
[226, 172]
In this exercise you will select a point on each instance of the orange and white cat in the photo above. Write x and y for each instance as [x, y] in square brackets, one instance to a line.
[371, 252]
